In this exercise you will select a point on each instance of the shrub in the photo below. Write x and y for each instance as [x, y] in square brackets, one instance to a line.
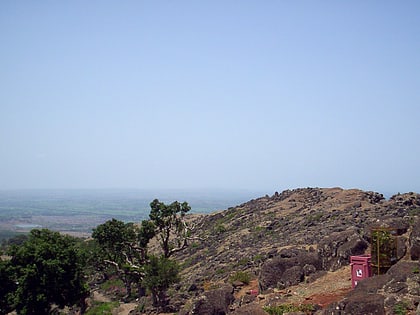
[286, 308]
[220, 228]
[102, 308]
[111, 284]
[242, 276]
[160, 273]
[400, 308]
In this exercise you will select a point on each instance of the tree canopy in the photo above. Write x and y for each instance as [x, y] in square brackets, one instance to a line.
[118, 241]
[160, 273]
[47, 270]
[171, 228]
[7, 287]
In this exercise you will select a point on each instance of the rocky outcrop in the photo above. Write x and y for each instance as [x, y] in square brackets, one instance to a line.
[415, 240]
[214, 302]
[288, 268]
[366, 304]
[336, 249]
[399, 287]
[267, 238]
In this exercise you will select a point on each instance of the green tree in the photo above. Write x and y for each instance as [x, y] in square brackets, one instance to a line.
[48, 270]
[118, 241]
[7, 287]
[160, 273]
[171, 229]
[116, 238]
[146, 233]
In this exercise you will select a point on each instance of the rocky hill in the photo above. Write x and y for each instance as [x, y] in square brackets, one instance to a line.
[273, 251]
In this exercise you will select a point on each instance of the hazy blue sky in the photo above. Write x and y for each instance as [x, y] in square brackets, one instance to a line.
[258, 95]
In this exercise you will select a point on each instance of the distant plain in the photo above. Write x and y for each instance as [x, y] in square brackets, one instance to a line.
[77, 212]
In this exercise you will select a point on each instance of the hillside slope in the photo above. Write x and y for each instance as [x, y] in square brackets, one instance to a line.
[287, 239]
[256, 230]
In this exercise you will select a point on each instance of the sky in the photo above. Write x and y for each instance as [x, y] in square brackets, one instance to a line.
[254, 95]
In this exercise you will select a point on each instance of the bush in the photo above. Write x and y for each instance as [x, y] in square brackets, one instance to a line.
[160, 273]
[242, 276]
[102, 308]
[286, 308]
[111, 284]
[220, 228]
[401, 308]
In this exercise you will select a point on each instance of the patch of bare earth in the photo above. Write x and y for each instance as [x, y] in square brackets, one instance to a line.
[123, 308]
[331, 287]
[126, 308]
[99, 297]
[328, 289]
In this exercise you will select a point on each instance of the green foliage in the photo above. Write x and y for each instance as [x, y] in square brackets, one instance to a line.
[242, 276]
[171, 228]
[401, 308]
[286, 308]
[221, 271]
[126, 247]
[195, 245]
[384, 249]
[48, 270]
[160, 273]
[7, 287]
[229, 215]
[118, 241]
[146, 233]
[92, 255]
[9, 238]
[115, 237]
[102, 308]
[314, 217]
[220, 228]
[111, 283]
[220, 224]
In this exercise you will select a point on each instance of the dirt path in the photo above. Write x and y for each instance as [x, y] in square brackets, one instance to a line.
[123, 308]
[98, 296]
[126, 308]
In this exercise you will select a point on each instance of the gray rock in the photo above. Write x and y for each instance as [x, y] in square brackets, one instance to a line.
[287, 268]
[335, 250]
[214, 302]
[250, 309]
[415, 240]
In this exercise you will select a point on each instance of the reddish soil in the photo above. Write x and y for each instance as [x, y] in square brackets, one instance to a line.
[325, 299]
[328, 289]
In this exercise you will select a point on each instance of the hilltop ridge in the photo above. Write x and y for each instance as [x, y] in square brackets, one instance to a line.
[269, 236]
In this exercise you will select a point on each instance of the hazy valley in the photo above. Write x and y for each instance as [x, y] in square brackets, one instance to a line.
[77, 212]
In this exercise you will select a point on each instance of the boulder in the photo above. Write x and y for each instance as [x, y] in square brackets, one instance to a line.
[415, 240]
[214, 302]
[366, 304]
[380, 294]
[335, 250]
[291, 276]
[287, 269]
[250, 309]
[363, 304]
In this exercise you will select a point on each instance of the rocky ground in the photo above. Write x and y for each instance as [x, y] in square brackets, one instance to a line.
[295, 246]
